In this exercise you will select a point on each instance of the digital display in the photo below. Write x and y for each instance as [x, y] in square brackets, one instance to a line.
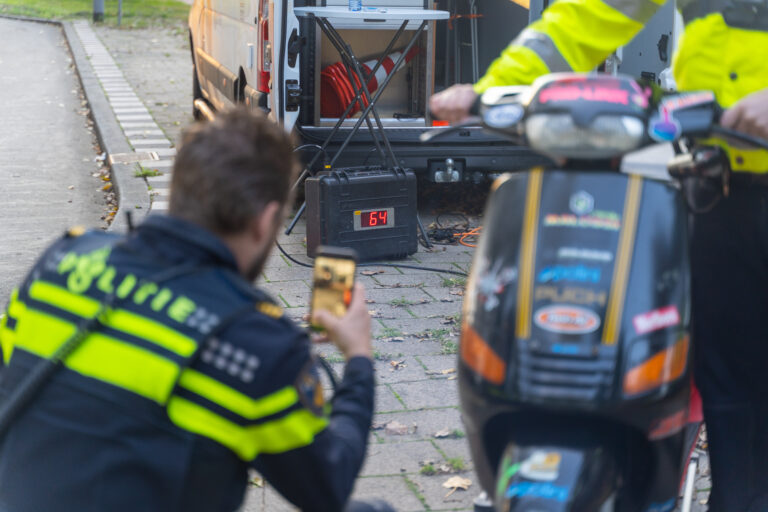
[373, 218]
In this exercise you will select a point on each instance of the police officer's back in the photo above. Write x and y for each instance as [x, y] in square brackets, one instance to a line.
[190, 376]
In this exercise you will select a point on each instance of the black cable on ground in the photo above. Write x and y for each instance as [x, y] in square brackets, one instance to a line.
[374, 264]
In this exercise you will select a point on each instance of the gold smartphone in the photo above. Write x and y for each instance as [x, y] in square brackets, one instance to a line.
[333, 278]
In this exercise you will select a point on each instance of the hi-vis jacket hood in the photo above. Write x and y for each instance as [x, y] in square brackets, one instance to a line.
[724, 49]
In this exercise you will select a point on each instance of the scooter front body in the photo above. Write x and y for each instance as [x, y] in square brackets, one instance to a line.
[576, 330]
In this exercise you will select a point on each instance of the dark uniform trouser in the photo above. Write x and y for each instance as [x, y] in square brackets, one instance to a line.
[729, 254]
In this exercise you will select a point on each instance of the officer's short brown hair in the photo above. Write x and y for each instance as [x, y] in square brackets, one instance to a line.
[228, 169]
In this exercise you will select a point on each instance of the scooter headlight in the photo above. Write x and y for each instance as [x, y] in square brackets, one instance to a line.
[607, 136]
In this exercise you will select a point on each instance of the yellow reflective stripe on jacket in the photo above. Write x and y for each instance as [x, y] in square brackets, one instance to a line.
[583, 33]
[292, 431]
[100, 357]
[121, 320]
[8, 335]
[62, 298]
[235, 401]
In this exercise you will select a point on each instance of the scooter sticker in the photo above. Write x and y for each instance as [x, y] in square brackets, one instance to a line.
[566, 319]
[544, 490]
[542, 466]
[578, 253]
[656, 319]
[582, 203]
[573, 273]
[492, 282]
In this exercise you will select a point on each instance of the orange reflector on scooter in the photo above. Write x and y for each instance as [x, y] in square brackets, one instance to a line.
[663, 367]
[438, 122]
[476, 353]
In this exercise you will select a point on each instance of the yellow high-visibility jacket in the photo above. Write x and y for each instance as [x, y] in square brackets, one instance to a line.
[576, 35]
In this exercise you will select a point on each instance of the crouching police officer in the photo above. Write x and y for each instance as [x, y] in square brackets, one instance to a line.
[187, 375]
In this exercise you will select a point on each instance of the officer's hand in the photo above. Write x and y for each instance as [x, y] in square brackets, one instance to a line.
[352, 332]
[453, 104]
[749, 115]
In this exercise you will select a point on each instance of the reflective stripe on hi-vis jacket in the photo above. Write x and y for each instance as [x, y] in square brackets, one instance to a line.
[577, 35]
[144, 344]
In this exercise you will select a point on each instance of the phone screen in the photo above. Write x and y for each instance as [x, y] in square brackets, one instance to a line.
[332, 283]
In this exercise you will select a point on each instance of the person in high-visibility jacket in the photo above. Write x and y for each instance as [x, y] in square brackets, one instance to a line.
[725, 50]
[190, 375]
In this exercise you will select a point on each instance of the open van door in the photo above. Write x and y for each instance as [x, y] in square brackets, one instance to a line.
[285, 94]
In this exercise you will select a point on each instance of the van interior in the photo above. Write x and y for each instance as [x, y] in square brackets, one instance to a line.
[446, 55]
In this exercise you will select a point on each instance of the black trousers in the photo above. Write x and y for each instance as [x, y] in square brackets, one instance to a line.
[729, 255]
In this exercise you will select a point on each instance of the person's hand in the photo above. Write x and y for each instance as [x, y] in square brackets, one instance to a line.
[749, 115]
[453, 104]
[352, 332]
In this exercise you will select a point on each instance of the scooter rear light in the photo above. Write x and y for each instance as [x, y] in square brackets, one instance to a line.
[664, 367]
[479, 356]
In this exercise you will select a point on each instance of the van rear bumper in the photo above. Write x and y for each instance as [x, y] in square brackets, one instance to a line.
[472, 149]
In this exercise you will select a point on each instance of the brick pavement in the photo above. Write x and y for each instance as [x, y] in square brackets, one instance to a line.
[415, 312]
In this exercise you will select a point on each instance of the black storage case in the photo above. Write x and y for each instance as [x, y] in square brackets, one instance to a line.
[334, 199]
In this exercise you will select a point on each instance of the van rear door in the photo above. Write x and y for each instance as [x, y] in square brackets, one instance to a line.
[285, 95]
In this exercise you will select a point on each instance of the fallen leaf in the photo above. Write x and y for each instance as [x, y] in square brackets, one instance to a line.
[448, 370]
[370, 301]
[371, 272]
[456, 292]
[71, 187]
[377, 425]
[456, 482]
[452, 377]
[257, 482]
[395, 428]
[397, 365]
[446, 432]
[396, 339]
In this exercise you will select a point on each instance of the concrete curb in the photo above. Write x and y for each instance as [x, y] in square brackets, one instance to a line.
[132, 193]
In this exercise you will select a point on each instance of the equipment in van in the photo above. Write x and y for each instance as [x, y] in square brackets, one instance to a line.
[362, 99]
[336, 91]
[370, 210]
[575, 353]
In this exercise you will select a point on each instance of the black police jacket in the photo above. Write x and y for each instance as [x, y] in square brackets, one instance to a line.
[190, 378]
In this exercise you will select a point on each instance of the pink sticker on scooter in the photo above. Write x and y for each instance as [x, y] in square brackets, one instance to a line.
[656, 319]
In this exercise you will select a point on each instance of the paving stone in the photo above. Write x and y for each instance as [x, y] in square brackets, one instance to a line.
[400, 297]
[426, 329]
[294, 293]
[286, 273]
[436, 495]
[394, 279]
[439, 363]
[408, 346]
[428, 393]
[436, 308]
[410, 371]
[446, 294]
[391, 488]
[427, 423]
[396, 458]
[456, 448]
[386, 400]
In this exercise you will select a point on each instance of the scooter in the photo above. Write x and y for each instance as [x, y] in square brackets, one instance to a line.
[575, 376]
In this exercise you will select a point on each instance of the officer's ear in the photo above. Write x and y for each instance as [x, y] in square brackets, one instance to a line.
[264, 227]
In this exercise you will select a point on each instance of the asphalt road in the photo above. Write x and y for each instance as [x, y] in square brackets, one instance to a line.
[46, 148]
